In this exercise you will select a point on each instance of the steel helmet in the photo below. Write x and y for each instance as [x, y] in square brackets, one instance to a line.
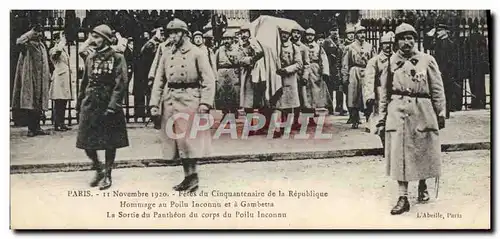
[310, 31]
[245, 27]
[387, 38]
[177, 24]
[104, 31]
[296, 27]
[359, 28]
[349, 29]
[285, 29]
[405, 28]
[197, 33]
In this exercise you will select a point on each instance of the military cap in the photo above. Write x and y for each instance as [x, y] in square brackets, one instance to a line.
[177, 24]
[349, 29]
[228, 34]
[310, 31]
[296, 27]
[197, 33]
[404, 28]
[359, 28]
[104, 31]
[334, 27]
[285, 29]
[245, 27]
[387, 38]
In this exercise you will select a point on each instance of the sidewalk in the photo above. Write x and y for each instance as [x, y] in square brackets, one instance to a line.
[464, 130]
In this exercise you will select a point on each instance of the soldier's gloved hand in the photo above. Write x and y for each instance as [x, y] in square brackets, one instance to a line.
[203, 109]
[155, 112]
[441, 122]
[370, 102]
[109, 112]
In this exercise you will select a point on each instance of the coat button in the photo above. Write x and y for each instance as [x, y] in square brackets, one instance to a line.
[172, 58]
[182, 74]
[171, 66]
[171, 74]
[182, 66]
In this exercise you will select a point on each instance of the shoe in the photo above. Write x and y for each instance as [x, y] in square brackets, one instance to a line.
[355, 125]
[31, 134]
[41, 132]
[401, 206]
[65, 128]
[106, 182]
[57, 128]
[312, 123]
[99, 175]
[423, 194]
[190, 183]
[277, 134]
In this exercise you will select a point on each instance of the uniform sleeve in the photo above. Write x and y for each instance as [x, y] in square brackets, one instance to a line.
[207, 80]
[369, 81]
[23, 39]
[258, 53]
[325, 66]
[345, 65]
[85, 50]
[159, 83]
[297, 65]
[384, 98]
[436, 88]
[120, 87]
[156, 63]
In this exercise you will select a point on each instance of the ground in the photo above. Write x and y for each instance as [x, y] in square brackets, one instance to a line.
[360, 195]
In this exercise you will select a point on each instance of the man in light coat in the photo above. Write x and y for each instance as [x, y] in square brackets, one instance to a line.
[303, 72]
[184, 85]
[353, 72]
[60, 88]
[315, 90]
[371, 83]
[413, 110]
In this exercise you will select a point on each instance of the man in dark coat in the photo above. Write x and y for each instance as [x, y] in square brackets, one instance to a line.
[102, 123]
[334, 52]
[219, 24]
[477, 66]
[31, 83]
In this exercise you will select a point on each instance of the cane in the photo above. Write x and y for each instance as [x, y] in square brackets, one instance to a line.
[437, 186]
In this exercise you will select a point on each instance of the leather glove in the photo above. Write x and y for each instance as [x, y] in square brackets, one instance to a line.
[370, 102]
[441, 122]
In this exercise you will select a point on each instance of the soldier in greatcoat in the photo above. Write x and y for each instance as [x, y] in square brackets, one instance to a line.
[353, 72]
[371, 83]
[184, 85]
[290, 65]
[315, 90]
[413, 109]
[102, 122]
[252, 94]
[31, 83]
[228, 82]
[198, 41]
[303, 72]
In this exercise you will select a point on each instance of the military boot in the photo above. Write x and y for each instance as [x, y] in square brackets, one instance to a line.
[106, 181]
[190, 184]
[401, 206]
[423, 194]
[99, 175]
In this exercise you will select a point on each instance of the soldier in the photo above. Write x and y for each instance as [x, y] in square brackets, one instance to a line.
[303, 72]
[291, 63]
[412, 108]
[184, 84]
[228, 82]
[371, 83]
[354, 62]
[334, 51]
[252, 94]
[349, 36]
[446, 56]
[198, 41]
[315, 90]
[101, 119]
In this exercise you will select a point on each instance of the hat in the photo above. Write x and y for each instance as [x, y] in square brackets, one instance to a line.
[228, 34]
[285, 29]
[359, 28]
[404, 28]
[349, 29]
[245, 27]
[387, 38]
[104, 31]
[310, 31]
[197, 33]
[296, 27]
[334, 27]
[177, 24]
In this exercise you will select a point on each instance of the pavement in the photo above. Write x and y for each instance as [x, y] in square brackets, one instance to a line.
[465, 130]
[360, 196]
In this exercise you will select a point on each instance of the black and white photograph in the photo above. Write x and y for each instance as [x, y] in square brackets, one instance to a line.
[250, 119]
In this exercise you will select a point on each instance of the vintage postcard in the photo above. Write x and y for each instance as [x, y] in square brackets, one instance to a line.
[250, 119]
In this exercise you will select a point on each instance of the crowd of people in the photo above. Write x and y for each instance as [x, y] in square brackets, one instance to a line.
[400, 90]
